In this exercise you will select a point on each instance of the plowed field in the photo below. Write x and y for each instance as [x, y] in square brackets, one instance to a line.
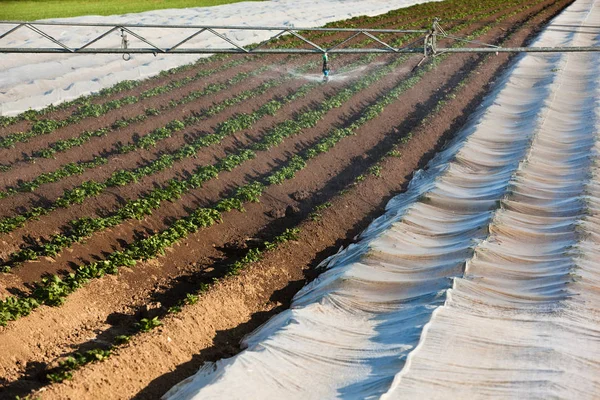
[145, 230]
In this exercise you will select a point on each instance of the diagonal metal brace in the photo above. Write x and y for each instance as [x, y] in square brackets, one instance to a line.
[344, 42]
[227, 40]
[97, 38]
[142, 39]
[307, 41]
[44, 34]
[379, 41]
[12, 30]
[187, 39]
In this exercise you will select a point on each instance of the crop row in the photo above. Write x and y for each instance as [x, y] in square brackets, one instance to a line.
[33, 115]
[53, 290]
[253, 255]
[144, 142]
[72, 168]
[65, 369]
[46, 126]
[139, 208]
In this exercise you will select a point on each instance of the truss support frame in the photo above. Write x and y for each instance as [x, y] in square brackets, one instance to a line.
[429, 38]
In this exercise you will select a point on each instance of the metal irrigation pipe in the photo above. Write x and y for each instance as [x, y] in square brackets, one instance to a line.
[429, 39]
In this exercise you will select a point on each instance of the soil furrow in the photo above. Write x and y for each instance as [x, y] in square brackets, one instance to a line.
[242, 302]
[35, 227]
[73, 128]
[277, 271]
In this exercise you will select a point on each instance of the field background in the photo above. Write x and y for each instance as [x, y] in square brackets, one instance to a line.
[31, 10]
[154, 224]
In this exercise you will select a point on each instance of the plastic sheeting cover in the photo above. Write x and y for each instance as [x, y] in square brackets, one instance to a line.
[481, 280]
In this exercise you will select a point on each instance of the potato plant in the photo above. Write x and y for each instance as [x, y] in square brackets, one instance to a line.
[142, 207]
[53, 290]
[94, 110]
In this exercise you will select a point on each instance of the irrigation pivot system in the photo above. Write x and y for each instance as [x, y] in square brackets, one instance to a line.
[426, 43]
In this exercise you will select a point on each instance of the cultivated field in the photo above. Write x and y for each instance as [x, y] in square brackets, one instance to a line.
[147, 229]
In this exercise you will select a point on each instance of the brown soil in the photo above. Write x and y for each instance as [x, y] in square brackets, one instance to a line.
[209, 193]
[212, 328]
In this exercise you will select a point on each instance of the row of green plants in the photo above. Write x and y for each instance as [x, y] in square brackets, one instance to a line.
[82, 228]
[91, 188]
[66, 144]
[77, 360]
[53, 290]
[145, 142]
[46, 126]
[253, 255]
[88, 110]
[34, 115]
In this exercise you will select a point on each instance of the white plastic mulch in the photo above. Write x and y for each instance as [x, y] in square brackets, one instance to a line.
[481, 281]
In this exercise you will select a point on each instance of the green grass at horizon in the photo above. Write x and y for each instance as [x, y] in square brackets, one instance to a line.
[30, 10]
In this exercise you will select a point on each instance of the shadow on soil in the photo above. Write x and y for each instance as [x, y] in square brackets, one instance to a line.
[225, 345]
[226, 342]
